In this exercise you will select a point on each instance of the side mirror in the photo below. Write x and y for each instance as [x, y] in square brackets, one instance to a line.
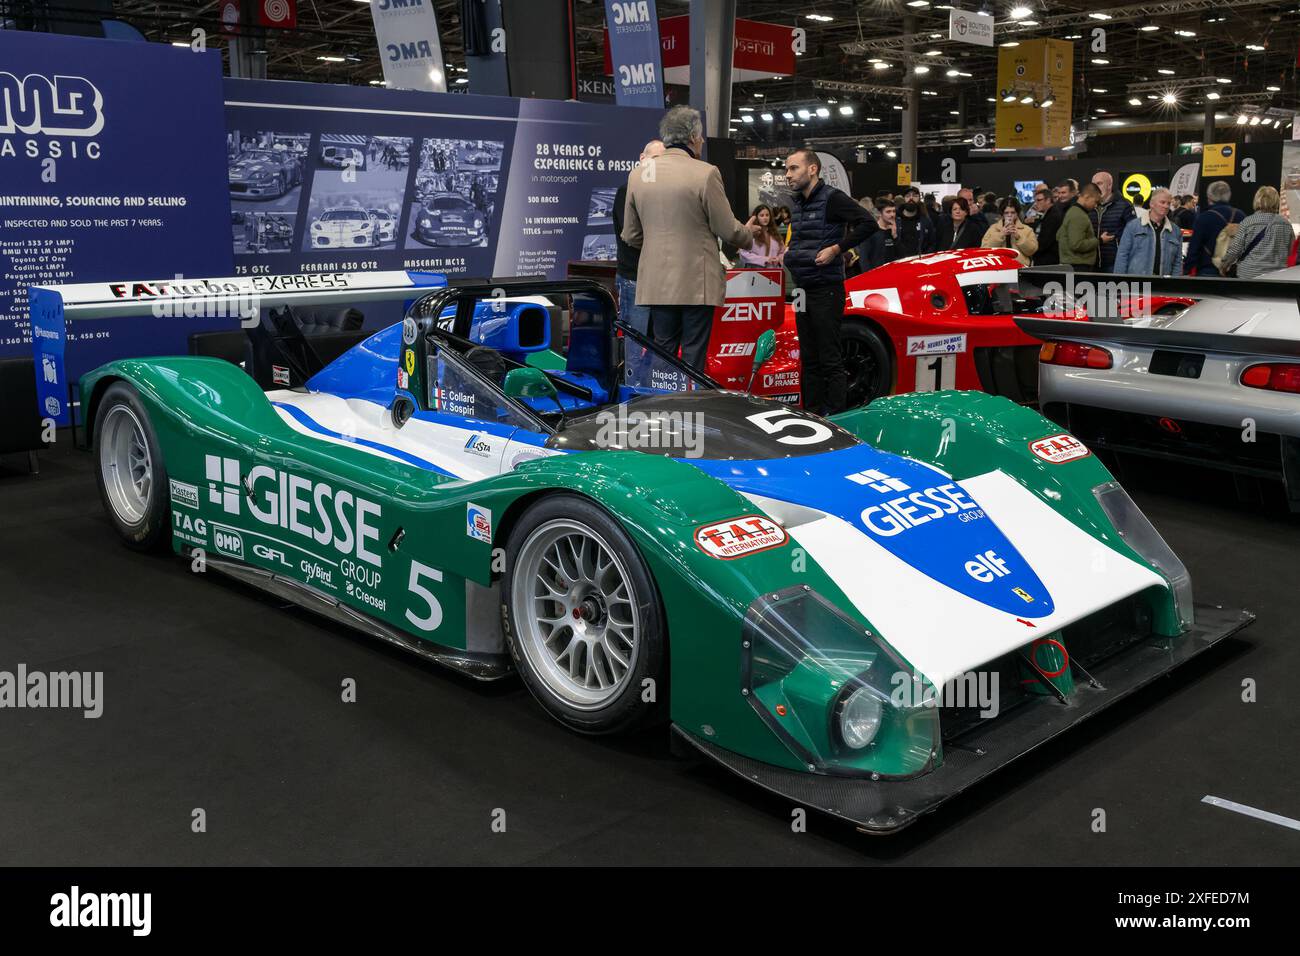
[529, 383]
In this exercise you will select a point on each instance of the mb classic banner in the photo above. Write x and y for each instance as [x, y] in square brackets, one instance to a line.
[346, 179]
[634, 53]
[110, 167]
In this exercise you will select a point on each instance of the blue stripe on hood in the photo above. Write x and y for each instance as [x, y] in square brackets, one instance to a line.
[911, 509]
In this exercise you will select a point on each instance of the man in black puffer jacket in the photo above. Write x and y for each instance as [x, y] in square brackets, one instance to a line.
[1113, 214]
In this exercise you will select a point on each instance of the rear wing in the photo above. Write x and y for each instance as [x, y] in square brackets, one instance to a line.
[1101, 287]
[238, 298]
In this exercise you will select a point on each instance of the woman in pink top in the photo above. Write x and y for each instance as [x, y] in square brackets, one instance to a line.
[768, 251]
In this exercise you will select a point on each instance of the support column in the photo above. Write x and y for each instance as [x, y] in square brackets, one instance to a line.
[713, 40]
[912, 108]
[1208, 133]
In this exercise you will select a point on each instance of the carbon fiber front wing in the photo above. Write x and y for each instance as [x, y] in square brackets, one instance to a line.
[884, 807]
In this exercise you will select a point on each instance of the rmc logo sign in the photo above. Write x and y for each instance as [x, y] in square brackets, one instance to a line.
[58, 106]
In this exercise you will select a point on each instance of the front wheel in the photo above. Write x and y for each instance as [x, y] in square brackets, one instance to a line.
[868, 364]
[129, 468]
[583, 617]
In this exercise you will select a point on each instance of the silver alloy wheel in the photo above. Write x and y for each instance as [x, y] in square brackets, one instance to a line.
[125, 464]
[575, 613]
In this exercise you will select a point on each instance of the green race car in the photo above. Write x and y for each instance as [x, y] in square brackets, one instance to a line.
[866, 614]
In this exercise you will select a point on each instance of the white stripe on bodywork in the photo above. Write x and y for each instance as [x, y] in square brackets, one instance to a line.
[944, 633]
[441, 445]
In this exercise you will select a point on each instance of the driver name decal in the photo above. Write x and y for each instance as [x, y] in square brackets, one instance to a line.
[738, 537]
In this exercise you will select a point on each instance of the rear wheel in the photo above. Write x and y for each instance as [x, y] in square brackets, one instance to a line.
[583, 618]
[129, 469]
[867, 363]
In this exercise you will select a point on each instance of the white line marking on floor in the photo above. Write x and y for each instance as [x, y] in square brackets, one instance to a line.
[1251, 812]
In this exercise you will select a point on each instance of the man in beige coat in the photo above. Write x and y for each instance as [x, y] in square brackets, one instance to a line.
[676, 212]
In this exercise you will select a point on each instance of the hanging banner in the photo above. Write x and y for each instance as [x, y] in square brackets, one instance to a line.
[409, 47]
[632, 30]
[278, 14]
[98, 187]
[761, 51]
[1035, 73]
[966, 26]
[1219, 159]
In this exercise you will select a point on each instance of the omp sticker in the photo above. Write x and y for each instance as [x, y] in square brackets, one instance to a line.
[936, 344]
[738, 537]
[184, 494]
[478, 522]
[1059, 449]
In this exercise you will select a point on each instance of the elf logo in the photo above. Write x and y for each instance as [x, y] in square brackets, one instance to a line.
[987, 567]
[52, 106]
[878, 481]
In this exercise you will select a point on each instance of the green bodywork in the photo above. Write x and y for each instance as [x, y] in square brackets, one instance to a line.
[203, 407]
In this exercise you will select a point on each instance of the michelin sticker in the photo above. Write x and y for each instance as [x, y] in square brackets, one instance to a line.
[478, 522]
[727, 540]
[1058, 449]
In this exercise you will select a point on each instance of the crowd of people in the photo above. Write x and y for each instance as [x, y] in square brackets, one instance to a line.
[671, 273]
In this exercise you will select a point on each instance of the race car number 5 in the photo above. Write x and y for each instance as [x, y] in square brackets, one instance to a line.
[777, 420]
[434, 617]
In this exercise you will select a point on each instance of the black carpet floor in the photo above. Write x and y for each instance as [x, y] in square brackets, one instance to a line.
[217, 698]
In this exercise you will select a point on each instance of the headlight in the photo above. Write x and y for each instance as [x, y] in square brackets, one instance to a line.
[478, 223]
[859, 718]
[1140, 535]
[317, 226]
[426, 222]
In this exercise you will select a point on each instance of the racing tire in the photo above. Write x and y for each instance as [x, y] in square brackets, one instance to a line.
[583, 617]
[868, 364]
[130, 471]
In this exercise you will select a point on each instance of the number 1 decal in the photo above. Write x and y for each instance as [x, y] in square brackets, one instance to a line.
[936, 373]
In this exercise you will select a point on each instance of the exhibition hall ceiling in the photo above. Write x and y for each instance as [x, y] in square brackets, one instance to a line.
[1160, 62]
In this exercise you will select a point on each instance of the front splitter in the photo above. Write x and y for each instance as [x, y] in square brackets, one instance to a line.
[884, 807]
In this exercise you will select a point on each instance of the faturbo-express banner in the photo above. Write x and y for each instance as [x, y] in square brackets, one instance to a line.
[345, 179]
[110, 167]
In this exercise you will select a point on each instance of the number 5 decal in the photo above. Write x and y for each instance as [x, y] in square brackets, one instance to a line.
[776, 420]
[431, 622]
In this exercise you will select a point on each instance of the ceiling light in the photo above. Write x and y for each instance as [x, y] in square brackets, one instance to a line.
[1163, 72]
[1149, 28]
[1255, 46]
[746, 109]
[461, 81]
[1254, 121]
[918, 3]
[1241, 121]
[1273, 89]
[1075, 36]
[378, 82]
[1009, 98]
[1277, 124]
[333, 59]
[889, 152]
[1026, 99]
[819, 17]
[1100, 16]
[846, 110]
[180, 43]
[872, 119]
[1222, 79]
[758, 96]
[767, 117]
[1211, 95]
[934, 53]
[929, 93]
[1047, 102]
[1011, 43]
[788, 116]
[823, 112]
[922, 70]
[954, 113]
[1029, 23]
[880, 66]
[1134, 101]
[1169, 99]
[804, 114]
[1184, 33]
[748, 118]
[1019, 13]
[949, 73]
[1100, 62]
[1099, 89]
